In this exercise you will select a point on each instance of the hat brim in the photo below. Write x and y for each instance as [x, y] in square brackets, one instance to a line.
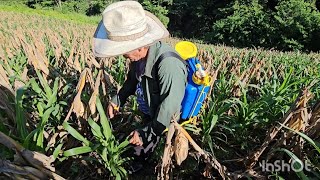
[104, 47]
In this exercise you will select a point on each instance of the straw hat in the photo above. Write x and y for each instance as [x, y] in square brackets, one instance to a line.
[125, 26]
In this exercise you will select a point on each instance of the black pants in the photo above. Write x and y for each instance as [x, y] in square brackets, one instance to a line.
[149, 138]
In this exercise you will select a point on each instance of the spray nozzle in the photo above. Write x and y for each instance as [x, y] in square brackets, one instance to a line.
[202, 73]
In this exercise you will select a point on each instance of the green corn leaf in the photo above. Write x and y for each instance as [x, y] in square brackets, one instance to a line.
[307, 138]
[111, 146]
[255, 86]
[27, 142]
[65, 89]
[40, 137]
[122, 171]
[63, 158]
[286, 80]
[57, 151]
[104, 154]
[192, 128]
[226, 105]
[40, 107]
[46, 115]
[213, 122]
[35, 135]
[53, 98]
[35, 86]
[63, 103]
[20, 117]
[209, 140]
[118, 177]
[75, 133]
[95, 128]
[44, 84]
[77, 151]
[123, 160]
[56, 110]
[113, 171]
[104, 120]
[297, 164]
[206, 120]
[122, 145]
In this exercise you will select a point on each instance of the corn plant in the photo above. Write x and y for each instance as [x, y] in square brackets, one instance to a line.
[118, 70]
[48, 107]
[263, 98]
[20, 119]
[104, 144]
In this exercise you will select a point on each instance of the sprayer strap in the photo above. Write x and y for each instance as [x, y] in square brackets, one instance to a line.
[169, 54]
[156, 87]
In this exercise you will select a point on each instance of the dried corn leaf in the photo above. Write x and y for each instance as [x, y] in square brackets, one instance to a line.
[25, 171]
[181, 147]
[90, 79]
[4, 80]
[82, 80]
[167, 155]
[17, 83]
[314, 128]
[24, 75]
[295, 114]
[94, 62]
[78, 106]
[52, 139]
[300, 119]
[9, 53]
[92, 101]
[77, 65]
[6, 105]
[2, 55]
[110, 81]
[69, 60]
[207, 171]
[34, 59]
[209, 158]
[38, 159]
[42, 61]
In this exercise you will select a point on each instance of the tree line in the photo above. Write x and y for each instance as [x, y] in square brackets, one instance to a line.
[270, 24]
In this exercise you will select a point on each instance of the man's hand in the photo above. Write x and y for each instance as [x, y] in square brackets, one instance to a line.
[113, 109]
[135, 139]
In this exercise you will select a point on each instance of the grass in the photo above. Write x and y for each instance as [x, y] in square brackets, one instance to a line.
[74, 17]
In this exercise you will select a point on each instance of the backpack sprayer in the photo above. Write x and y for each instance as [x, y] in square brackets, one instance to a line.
[198, 82]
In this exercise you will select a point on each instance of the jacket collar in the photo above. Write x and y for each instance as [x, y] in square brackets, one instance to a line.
[151, 59]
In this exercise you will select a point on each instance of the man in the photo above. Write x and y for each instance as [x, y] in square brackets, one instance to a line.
[126, 29]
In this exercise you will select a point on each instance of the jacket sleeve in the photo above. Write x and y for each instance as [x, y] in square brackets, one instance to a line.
[128, 88]
[173, 79]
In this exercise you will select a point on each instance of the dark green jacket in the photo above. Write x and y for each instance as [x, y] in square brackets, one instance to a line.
[164, 93]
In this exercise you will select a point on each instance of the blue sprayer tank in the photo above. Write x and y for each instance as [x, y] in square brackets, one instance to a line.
[198, 81]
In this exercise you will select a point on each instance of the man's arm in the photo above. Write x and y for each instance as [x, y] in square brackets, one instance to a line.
[128, 88]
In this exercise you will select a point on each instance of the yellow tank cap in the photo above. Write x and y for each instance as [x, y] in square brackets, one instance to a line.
[186, 49]
[207, 81]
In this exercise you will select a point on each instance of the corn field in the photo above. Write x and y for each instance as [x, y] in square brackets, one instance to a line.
[263, 105]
